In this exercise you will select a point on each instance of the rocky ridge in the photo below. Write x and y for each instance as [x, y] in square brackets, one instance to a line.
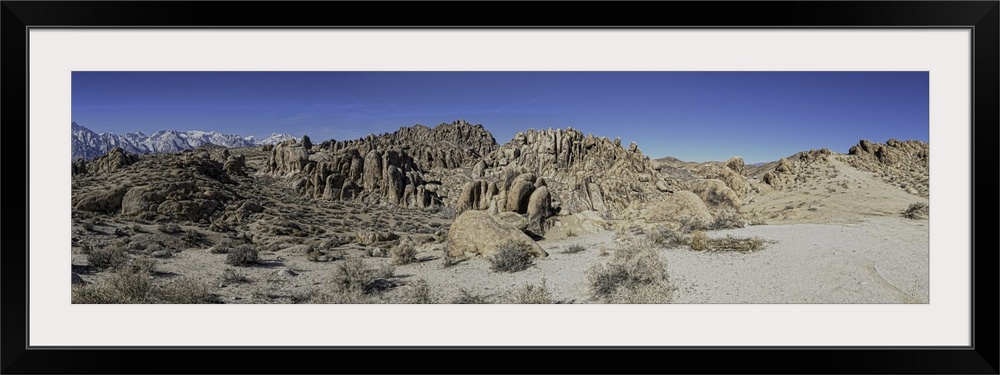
[387, 168]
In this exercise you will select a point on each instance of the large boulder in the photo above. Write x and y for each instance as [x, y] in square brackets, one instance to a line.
[476, 233]
[539, 209]
[716, 193]
[520, 192]
[103, 201]
[680, 206]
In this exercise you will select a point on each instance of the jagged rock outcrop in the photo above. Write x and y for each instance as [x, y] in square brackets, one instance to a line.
[716, 193]
[579, 172]
[477, 233]
[903, 163]
[234, 165]
[287, 157]
[388, 168]
[114, 160]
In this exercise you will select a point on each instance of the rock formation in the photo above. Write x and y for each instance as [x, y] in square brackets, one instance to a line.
[388, 168]
[476, 233]
[579, 173]
[902, 163]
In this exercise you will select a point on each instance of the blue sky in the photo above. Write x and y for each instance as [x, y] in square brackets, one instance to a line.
[694, 116]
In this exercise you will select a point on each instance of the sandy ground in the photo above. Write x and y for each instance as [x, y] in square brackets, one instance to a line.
[880, 260]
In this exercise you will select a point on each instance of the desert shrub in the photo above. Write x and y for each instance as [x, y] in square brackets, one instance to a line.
[107, 257]
[757, 219]
[194, 237]
[728, 218]
[124, 286]
[691, 223]
[511, 256]
[641, 294]
[169, 228]
[404, 253]
[386, 271]
[632, 269]
[698, 241]
[466, 297]
[242, 255]
[231, 276]
[573, 249]
[665, 236]
[533, 294]
[736, 243]
[419, 293]
[917, 211]
[350, 276]
[184, 291]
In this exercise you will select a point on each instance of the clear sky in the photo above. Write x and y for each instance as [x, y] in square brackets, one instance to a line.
[693, 116]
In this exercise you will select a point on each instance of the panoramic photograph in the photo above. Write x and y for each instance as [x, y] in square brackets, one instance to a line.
[499, 187]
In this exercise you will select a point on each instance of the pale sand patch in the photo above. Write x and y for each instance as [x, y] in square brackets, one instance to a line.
[879, 260]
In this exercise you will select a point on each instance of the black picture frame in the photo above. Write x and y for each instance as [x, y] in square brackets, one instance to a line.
[981, 17]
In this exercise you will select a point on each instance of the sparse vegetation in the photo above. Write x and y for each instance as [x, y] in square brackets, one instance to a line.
[533, 294]
[635, 273]
[728, 218]
[573, 249]
[404, 253]
[419, 293]
[194, 237]
[184, 291]
[126, 285]
[511, 256]
[699, 241]
[350, 276]
[466, 297]
[665, 236]
[110, 257]
[242, 255]
[169, 228]
[386, 271]
[917, 211]
[231, 276]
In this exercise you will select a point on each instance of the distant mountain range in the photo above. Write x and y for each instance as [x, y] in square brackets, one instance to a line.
[88, 145]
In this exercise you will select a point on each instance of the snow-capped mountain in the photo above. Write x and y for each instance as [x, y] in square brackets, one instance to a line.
[88, 144]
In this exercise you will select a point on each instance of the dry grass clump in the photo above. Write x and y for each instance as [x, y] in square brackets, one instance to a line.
[511, 256]
[111, 257]
[466, 297]
[419, 293]
[699, 241]
[231, 276]
[129, 284]
[404, 253]
[350, 275]
[184, 291]
[917, 211]
[728, 218]
[169, 228]
[665, 236]
[242, 255]
[573, 249]
[633, 274]
[533, 294]
[386, 271]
